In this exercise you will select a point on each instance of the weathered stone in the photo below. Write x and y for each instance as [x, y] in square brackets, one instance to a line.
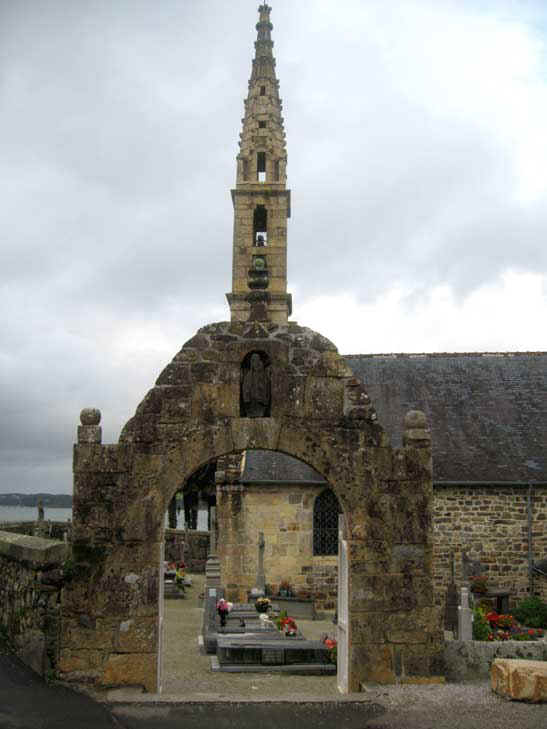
[520, 680]
[90, 416]
[31, 649]
[131, 669]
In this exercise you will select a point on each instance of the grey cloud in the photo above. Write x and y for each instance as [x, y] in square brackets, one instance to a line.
[119, 125]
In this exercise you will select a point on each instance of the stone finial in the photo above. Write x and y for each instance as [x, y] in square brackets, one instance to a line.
[90, 416]
[416, 433]
[90, 431]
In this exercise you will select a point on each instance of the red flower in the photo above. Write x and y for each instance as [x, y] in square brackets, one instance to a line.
[492, 616]
[531, 632]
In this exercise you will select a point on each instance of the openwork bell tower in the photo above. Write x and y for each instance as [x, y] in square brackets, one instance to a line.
[261, 201]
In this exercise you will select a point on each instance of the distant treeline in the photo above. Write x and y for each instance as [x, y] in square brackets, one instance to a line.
[56, 500]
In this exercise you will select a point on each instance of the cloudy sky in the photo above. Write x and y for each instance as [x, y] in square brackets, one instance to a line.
[417, 150]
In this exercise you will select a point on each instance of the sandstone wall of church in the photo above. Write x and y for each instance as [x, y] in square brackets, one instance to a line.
[490, 524]
[285, 515]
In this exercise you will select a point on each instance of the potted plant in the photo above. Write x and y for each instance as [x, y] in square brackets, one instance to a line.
[332, 646]
[262, 604]
[223, 608]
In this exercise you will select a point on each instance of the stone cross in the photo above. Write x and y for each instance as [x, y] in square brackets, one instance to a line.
[260, 577]
[465, 617]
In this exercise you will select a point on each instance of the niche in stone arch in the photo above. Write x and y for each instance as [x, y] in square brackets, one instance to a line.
[255, 386]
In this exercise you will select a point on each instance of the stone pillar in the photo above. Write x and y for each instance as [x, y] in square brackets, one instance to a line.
[212, 566]
[90, 431]
[465, 617]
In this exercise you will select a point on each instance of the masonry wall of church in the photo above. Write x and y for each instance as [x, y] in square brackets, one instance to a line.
[285, 515]
[489, 524]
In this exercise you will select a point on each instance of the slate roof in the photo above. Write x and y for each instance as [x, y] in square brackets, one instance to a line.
[487, 413]
[277, 467]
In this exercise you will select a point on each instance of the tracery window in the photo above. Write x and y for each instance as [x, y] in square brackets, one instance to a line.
[325, 523]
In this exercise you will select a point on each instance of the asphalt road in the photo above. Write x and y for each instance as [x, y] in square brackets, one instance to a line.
[27, 702]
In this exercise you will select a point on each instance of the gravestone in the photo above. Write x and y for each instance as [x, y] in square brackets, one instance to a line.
[465, 617]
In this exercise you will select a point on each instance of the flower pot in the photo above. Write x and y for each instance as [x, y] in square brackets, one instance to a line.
[262, 608]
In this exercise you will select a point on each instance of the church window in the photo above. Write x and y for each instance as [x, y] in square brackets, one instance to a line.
[262, 125]
[261, 166]
[260, 226]
[325, 524]
[276, 170]
[262, 91]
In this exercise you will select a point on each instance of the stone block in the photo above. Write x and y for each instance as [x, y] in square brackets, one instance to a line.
[131, 669]
[35, 551]
[75, 636]
[136, 635]
[520, 680]
[79, 660]
[31, 649]
[375, 663]
[89, 434]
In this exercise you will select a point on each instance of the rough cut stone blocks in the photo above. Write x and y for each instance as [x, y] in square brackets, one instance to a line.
[520, 680]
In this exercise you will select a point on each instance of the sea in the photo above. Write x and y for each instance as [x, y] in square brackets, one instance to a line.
[30, 513]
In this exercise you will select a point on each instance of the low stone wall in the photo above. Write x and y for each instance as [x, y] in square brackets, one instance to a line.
[490, 524]
[30, 589]
[470, 660]
[50, 529]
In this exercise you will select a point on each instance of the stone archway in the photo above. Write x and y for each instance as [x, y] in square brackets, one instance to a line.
[317, 412]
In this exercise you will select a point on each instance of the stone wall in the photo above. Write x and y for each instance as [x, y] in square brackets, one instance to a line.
[30, 589]
[284, 513]
[49, 529]
[490, 524]
[319, 414]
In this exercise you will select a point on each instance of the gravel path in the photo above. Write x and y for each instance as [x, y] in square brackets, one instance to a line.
[186, 671]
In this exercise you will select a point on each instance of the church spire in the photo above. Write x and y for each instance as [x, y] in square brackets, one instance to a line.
[261, 200]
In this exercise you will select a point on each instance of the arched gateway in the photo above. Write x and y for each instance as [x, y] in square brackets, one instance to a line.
[257, 382]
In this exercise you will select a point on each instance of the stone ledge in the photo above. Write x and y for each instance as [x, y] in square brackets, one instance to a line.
[468, 660]
[36, 551]
[520, 680]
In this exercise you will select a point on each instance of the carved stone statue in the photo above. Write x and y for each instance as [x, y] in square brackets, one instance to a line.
[40, 510]
[255, 389]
